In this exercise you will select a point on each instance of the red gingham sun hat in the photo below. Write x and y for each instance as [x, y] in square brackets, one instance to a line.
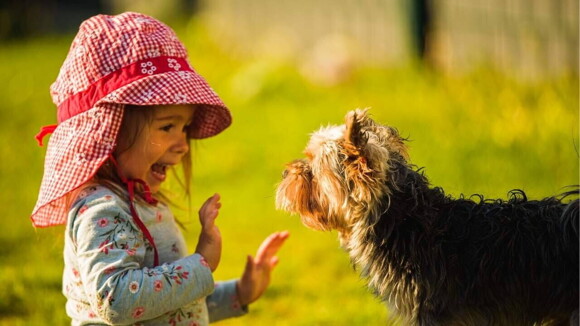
[115, 60]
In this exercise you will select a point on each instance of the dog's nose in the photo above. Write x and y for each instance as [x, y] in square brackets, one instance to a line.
[284, 174]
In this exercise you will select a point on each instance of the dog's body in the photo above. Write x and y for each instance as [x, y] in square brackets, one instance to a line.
[434, 259]
[451, 262]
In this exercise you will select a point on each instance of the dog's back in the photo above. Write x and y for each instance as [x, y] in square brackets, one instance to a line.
[495, 262]
[518, 258]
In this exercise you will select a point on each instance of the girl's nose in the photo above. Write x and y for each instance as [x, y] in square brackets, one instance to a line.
[182, 145]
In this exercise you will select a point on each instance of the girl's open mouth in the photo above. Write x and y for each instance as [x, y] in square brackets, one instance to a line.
[159, 171]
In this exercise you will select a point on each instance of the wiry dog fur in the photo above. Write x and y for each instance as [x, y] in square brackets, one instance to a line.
[434, 259]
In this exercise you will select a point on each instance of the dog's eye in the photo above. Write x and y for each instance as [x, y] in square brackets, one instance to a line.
[284, 174]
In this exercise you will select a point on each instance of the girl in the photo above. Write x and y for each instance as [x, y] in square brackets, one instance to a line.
[128, 103]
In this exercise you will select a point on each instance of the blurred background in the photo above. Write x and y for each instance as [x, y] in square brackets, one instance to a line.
[486, 91]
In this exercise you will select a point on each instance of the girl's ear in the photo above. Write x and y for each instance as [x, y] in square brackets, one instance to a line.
[355, 138]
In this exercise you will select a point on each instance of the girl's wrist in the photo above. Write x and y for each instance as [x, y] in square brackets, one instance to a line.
[239, 297]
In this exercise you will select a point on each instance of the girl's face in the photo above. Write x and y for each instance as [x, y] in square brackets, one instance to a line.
[160, 145]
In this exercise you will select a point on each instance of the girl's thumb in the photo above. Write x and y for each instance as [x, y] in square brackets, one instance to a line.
[249, 263]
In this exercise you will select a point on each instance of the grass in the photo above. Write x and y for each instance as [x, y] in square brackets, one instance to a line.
[477, 133]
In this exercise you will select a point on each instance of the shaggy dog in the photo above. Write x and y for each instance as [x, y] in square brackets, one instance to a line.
[434, 259]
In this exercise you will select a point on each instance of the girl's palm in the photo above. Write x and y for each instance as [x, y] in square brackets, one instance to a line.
[209, 244]
[256, 277]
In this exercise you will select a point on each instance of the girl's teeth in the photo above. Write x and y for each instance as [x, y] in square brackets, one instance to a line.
[159, 169]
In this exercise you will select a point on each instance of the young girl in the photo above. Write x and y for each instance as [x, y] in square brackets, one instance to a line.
[128, 103]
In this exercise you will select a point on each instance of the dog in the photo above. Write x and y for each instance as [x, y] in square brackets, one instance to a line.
[434, 259]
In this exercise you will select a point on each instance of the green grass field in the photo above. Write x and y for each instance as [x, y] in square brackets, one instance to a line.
[479, 133]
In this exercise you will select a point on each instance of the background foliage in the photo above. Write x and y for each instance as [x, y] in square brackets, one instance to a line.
[476, 133]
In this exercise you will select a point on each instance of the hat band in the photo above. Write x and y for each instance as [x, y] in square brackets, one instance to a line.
[86, 99]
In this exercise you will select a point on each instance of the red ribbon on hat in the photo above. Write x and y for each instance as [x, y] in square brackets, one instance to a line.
[45, 130]
[86, 99]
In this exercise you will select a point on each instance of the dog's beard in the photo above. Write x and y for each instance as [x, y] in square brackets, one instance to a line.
[300, 193]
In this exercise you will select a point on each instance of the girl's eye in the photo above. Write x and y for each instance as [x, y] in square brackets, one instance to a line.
[186, 127]
[167, 127]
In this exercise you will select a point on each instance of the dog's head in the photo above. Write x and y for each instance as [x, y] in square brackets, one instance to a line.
[344, 175]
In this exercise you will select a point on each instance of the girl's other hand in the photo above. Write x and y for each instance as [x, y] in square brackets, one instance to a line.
[256, 277]
[210, 240]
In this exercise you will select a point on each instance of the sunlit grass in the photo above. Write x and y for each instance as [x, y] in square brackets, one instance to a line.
[480, 133]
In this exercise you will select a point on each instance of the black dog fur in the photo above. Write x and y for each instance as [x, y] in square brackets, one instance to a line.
[476, 262]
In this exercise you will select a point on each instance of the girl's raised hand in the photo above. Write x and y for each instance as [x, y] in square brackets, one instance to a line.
[256, 277]
[210, 241]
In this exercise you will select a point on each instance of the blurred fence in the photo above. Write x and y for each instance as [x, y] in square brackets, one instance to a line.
[533, 38]
[527, 38]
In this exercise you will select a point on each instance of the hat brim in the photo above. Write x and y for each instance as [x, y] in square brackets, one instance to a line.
[180, 87]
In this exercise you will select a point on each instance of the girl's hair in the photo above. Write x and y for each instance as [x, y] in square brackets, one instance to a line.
[135, 120]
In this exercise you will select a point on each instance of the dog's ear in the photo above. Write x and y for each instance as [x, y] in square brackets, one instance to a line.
[356, 167]
[354, 136]
[358, 125]
[366, 163]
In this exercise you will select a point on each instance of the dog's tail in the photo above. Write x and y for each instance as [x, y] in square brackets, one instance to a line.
[570, 216]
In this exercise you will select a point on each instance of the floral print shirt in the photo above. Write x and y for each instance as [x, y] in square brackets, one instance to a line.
[109, 277]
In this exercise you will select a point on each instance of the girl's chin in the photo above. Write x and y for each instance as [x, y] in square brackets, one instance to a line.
[154, 186]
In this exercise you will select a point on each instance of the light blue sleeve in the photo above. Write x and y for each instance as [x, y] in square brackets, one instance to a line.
[223, 302]
[110, 251]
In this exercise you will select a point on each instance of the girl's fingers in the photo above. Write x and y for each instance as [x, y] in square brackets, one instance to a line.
[211, 200]
[273, 244]
[267, 246]
[273, 262]
[270, 246]
[210, 207]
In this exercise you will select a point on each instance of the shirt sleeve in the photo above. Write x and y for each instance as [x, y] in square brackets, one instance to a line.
[110, 250]
[223, 302]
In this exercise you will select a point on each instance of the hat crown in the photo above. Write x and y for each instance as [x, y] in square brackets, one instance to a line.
[105, 44]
